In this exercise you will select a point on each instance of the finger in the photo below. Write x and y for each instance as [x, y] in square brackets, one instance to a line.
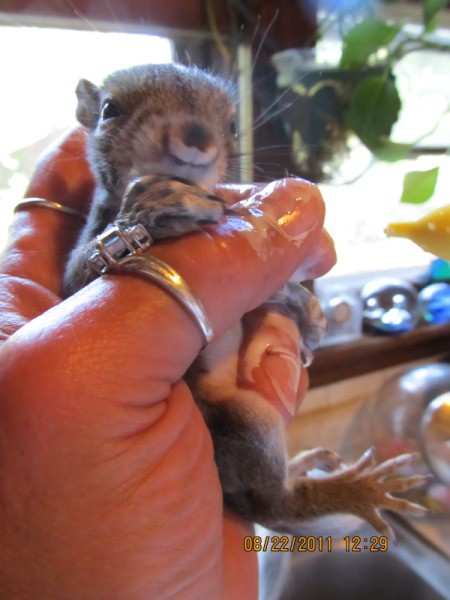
[20, 302]
[63, 173]
[259, 238]
[270, 361]
[240, 568]
[319, 261]
[40, 237]
[230, 270]
[233, 192]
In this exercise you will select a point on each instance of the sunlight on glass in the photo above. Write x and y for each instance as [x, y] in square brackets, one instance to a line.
[357, 214]
[43, 68]
[426, 97]
[40, 69]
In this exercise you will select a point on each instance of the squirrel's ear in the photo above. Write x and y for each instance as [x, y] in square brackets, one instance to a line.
[88, 108]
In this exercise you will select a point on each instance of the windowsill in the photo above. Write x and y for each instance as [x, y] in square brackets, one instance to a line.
[373, 352]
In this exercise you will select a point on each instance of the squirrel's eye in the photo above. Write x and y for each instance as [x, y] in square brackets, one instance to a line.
[233, 128]
[109, 110]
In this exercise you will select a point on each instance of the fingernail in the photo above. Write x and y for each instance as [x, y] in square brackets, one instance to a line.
[302, 205]
[320, 259]
[283, 371]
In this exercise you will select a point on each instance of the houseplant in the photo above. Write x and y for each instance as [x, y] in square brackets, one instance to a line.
[362, 93]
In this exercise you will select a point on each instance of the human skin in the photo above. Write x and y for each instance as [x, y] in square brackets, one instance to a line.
[108, 486]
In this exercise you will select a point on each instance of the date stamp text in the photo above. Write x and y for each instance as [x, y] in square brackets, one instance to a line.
[309, 543]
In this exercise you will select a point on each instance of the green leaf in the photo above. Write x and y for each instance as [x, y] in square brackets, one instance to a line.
[430, 9]
[364, 39]
[419, 186]
[373, 109]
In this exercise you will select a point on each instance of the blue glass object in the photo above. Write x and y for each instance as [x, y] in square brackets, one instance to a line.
[434, 303]
[440, 270]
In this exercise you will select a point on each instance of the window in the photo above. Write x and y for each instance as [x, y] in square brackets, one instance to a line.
[40, 68]
[357, 213]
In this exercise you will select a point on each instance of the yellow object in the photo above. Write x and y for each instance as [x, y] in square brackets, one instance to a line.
[431, 232]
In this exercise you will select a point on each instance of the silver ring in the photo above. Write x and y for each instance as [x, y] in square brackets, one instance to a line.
[120, 250]
[170, 280]
[116, 243]
[40, 202]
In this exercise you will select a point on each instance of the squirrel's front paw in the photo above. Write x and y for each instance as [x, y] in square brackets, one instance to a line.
[169, 207]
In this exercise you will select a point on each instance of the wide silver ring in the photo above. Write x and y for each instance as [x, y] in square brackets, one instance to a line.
[40, 202]
[171, 281]
[120, 250]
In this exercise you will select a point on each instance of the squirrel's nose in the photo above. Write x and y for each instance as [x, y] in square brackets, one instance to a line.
[195, 134]
[193, 145]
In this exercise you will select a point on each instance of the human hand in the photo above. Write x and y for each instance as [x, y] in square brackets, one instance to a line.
[108, 487]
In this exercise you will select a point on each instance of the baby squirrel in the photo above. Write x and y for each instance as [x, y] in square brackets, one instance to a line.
[179, 122]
